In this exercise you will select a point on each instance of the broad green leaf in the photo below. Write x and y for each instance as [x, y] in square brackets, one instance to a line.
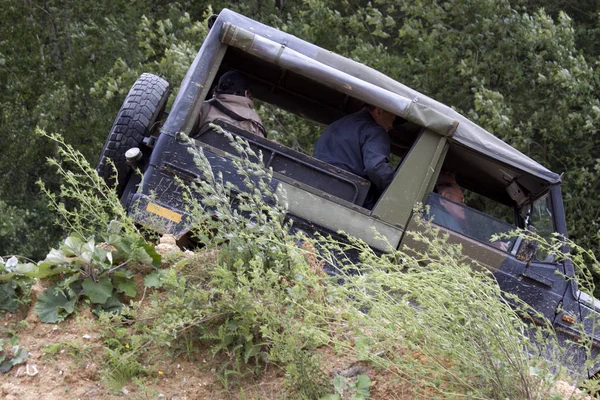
[156, 258]
[53, 306]
[87, 256]
[330, 397]
[126, 285]
[114, 227]
[20, 355]
[362, 345]
[28, 269]
[11, 263]
[99, 255]
[45, 269]
[142, 256]
[113, 304]
[72, 246]
[6, 277]
[98, 292]
[5, 366]
[123, 273]
[71, 282]
[55, 257]
[147, 255]
[153, 279]
[89, 246]
[339, 383]
[363, 385]
[8, 297]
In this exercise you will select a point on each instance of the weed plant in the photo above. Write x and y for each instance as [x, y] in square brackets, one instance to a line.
[81, 267]
[15, 285]
[435, 314]
[261, 300]
[255, 294]
[85, 204]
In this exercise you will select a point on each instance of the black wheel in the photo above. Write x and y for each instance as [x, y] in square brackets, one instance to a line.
[137, 119]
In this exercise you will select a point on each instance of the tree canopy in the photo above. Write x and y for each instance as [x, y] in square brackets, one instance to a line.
[526, 70]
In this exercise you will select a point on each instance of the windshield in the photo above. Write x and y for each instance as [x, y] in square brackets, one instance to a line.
[540, 218]
[467, 221]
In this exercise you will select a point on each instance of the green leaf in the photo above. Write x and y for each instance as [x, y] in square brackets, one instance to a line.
[123, 273]
[126, 285]
[330, 397]
[72, 246]
[28, 269]
[8, 297]
[363, 386]
[45, 270]
[53, 306]
[89, 246]
[147, 255]
[11, 263]
[153, 279]
[339, 383]
[20, 355]
[362, 345]
[5, 366]
[98, 292]
[6, 277]
[114, 227]
[112, 305]
[55, 257]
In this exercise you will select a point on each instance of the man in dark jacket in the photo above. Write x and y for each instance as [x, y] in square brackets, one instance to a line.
[360, 143]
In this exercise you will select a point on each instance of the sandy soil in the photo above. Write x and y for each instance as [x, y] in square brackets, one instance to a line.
[73, 371]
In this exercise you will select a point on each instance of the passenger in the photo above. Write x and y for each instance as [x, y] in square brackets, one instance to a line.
[448, 213]
[451, 214]
[360, 143]
[233, 104]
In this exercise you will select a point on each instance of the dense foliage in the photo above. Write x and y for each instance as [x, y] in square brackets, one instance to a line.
[527, 74]
[257, 297]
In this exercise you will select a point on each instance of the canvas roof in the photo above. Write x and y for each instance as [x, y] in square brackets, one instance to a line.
[370, 86]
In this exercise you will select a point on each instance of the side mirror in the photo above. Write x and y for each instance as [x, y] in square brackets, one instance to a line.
[211, 20]
[528, 248]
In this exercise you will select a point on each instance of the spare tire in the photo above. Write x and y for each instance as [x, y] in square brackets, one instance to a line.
[137, 119]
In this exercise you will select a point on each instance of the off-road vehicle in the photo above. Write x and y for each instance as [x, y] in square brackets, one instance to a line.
[320, 86]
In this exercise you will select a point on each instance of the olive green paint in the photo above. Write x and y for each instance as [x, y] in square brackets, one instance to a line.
[412, 180]
[336, 217]
[479, 254]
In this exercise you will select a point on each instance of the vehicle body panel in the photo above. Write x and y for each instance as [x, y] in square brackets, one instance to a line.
[321, 86]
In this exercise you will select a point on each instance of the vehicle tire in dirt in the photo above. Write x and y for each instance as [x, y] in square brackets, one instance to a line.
[137, 119]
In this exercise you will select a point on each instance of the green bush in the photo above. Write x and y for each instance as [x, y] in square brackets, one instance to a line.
[256, 295]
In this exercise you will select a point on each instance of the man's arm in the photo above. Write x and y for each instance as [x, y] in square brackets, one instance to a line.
[376, 152]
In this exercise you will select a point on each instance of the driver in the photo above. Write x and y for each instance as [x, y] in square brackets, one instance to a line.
[360, 143]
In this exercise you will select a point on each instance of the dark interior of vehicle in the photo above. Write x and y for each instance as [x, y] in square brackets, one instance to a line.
[306, 98]
[321, 104]
[480, 174]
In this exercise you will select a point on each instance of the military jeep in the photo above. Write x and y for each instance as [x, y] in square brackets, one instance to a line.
[506, 188]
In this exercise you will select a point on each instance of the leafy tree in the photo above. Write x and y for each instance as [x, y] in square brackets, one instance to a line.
[526, 74]
[518, 74]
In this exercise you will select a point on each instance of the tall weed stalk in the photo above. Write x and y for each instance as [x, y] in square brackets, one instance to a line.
[85, 204]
